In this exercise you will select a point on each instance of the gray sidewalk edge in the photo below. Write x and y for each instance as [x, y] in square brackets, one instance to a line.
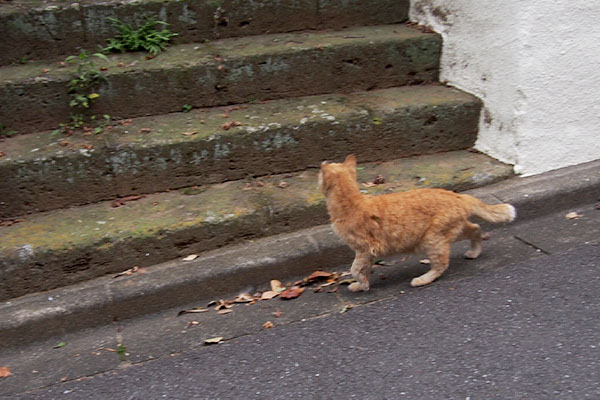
[216, 273]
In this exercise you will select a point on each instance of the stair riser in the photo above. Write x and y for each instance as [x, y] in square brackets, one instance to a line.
[39, 105]
[56, 181]
[22, 274]
[53, 32]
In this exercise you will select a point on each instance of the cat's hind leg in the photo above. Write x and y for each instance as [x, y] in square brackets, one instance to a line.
[440, 259]
[472, 232]
[361, 271]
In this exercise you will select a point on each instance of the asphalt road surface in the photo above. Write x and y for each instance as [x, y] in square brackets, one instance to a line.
[523, 323]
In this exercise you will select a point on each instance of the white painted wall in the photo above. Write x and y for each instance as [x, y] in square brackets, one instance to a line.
[535, 65]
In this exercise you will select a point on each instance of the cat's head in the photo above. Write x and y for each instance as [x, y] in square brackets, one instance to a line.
[332, 174]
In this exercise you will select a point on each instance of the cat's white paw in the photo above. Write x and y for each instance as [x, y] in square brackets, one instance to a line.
[472, 254]
[356, 287]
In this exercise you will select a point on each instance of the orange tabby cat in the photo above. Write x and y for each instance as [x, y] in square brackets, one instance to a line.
[424, 220]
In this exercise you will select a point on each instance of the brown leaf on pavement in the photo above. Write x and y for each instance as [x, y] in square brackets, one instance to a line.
[269, 294]
[277, 286]
[222, 304]
[214, 340]
[283, 184]
[191, 257]
[244, 298]
[5, 372]
[277, 313]
[224, 311]
[268, 325]
[318, 275]
[193, 310]
[573, 215]
[291, 293]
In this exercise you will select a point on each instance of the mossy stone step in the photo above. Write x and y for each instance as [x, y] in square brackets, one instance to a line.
[51, 29]
[44, 171]
[222, 72]
[62, 247]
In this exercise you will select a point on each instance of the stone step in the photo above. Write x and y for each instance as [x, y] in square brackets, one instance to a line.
[222, 72]
[43, 171]
[42, 29]
[62, 247]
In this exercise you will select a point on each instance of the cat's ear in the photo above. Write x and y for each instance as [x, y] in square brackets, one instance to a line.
[350, 161]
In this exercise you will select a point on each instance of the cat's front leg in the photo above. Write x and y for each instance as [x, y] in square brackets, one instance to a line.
[361, 271]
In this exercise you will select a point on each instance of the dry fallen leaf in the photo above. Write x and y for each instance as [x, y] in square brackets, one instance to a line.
[573, 215]
[318, 275]
[189, 133]
[269, 294]
[346, 308]
[291, 293]
[193, 310]
[228, 125]
[221, 304]
[268, 325]
[191, 257]
[63, 143]
[122, 200]
[379, 179]
[5, 372]
[224, 311]
[2, 154]
[277, 313]
[145, 130]
[277, 286]
[283, 184]
[369, 184]
[131, 271]
[214, 340]
[244, 298]
[9, 222]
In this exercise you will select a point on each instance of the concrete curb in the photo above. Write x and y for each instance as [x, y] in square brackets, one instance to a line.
[175, 283]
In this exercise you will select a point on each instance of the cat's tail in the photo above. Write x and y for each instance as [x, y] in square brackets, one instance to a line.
[491, 213]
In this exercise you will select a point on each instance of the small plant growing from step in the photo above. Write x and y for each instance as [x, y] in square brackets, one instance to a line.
[6, 132]
[87, 76]
[82, 93]
[145, 38]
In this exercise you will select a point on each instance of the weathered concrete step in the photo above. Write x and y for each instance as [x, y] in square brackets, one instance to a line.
[41, 29]
[43, 171]
[227, 71]
[59, 248]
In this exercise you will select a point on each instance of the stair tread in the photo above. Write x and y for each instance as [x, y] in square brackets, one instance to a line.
[226, 71]
[158, 153]
[49, 29]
